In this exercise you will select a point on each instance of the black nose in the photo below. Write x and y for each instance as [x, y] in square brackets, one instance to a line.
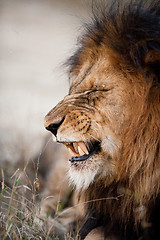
[53, 127]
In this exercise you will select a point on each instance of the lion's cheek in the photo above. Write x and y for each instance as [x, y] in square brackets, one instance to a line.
[111, 145]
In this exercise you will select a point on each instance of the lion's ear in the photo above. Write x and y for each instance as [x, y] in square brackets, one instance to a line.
[152, 61]
[152, 58]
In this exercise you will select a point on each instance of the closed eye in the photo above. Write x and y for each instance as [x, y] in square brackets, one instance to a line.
[98, 90]
[85, 93]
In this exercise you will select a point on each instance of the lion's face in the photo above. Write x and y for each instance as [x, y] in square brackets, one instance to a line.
[93, 119]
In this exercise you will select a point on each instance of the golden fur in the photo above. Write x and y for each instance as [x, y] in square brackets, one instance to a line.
[114, 101]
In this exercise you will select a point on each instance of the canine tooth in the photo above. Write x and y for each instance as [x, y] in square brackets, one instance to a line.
[71, 150]
[83, 147]
[73, 154]
[75, 146]
[81, 153]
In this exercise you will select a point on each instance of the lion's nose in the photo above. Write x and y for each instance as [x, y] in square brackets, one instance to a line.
[53, 127]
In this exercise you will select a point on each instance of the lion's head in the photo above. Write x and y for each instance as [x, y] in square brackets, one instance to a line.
[110, 120]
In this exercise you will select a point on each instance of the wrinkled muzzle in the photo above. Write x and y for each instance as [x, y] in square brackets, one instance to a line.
[68, 106]
[70, 122]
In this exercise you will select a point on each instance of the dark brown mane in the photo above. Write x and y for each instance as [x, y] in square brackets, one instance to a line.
[131, 29]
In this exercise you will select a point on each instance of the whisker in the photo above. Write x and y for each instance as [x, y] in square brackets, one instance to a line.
[96, 123]
[93, 137]
[85, 140]
[96, 130]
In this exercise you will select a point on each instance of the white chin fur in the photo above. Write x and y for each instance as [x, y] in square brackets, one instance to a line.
[81, 179]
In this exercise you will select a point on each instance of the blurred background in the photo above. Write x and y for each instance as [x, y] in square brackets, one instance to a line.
[36, 38]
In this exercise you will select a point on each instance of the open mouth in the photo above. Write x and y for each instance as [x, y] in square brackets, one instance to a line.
[81, 151]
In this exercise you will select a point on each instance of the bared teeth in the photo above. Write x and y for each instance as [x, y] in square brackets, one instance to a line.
[73, 154]
[80, 150]
[75, 147]
[81, 153]
[71, 150]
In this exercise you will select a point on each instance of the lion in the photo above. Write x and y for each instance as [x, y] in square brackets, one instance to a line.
[110, 121]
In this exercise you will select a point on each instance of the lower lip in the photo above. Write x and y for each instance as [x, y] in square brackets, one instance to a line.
[79, 159]
[84, 157]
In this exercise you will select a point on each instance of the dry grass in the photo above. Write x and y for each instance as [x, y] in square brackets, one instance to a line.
[18, 208]
[20, 201]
